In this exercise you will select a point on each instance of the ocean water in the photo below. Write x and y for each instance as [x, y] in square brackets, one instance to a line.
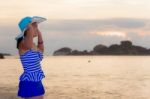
[84, 77]
[100, 77]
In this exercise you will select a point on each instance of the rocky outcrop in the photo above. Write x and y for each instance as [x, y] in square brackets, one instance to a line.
[126, 44]
[63, 51]
[125, 48]
[100, 49]
[1, 56]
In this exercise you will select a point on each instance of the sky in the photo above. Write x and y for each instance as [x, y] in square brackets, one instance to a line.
[78, 24]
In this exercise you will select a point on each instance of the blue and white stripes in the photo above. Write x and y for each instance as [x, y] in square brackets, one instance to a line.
[31, 65]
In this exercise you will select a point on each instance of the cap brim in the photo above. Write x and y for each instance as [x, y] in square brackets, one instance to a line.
[38, 19]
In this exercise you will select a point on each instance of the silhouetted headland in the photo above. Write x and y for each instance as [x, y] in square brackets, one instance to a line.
[4, 54]
[125, 48]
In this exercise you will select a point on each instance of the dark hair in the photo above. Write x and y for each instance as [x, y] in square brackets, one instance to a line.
[20, 39]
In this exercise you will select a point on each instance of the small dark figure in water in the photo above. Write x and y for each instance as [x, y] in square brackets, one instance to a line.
[89, 61]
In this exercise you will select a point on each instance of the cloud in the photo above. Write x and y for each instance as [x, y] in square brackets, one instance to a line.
[79, 27]
[69, 25]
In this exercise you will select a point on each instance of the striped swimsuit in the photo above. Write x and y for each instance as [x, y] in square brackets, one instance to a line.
[31, 64]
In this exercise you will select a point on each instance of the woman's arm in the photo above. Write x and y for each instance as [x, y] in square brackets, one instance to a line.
[40, 41]
[28, 40]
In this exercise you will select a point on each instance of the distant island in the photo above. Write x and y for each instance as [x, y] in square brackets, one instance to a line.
[125, 48]
[4, 54]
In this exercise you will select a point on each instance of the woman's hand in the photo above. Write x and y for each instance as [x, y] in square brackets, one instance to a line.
[35, 26]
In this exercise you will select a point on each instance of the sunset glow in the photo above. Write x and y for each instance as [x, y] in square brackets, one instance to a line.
[112, 33]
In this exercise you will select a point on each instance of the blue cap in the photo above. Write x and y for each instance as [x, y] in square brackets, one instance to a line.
[27, 20]
[24, 22]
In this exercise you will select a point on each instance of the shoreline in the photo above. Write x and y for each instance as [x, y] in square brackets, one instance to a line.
[46, 56]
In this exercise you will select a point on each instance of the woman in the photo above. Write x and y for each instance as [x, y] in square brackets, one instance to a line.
[30, 85]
